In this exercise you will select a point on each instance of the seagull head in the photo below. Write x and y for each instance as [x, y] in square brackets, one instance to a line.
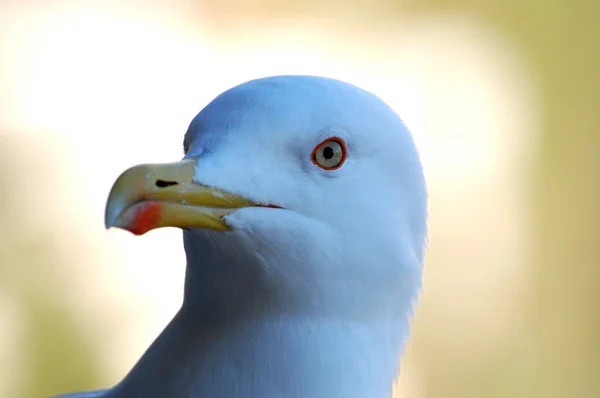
[298, 196]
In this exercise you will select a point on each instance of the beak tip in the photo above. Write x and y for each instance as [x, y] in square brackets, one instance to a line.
[109, 221]
[112, 212]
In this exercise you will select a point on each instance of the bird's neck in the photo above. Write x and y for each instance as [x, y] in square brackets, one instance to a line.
[266, 357]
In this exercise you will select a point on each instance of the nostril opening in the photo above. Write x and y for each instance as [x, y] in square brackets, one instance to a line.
[164, 184]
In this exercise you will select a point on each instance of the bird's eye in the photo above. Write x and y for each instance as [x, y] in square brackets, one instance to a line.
[329, 154]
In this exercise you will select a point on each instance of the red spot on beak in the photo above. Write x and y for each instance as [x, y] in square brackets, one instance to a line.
[145, 218]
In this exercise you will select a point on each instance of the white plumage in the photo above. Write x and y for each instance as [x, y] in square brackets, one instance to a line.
[310, 299]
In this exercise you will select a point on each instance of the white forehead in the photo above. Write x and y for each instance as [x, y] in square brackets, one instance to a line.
[287, 110]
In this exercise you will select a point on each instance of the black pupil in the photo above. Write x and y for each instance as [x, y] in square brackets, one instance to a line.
[328, 152]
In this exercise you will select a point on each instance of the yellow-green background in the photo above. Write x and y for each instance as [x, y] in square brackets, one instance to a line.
[551, 345]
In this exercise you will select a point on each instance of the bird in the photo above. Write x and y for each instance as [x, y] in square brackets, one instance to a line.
[303, 206]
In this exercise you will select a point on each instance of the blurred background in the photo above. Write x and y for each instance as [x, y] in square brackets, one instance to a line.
[503, 98]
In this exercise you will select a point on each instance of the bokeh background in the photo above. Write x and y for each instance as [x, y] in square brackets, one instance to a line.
[503, 97]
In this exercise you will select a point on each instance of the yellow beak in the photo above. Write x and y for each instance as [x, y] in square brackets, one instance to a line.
[151, 196]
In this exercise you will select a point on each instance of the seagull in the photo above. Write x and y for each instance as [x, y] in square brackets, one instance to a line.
[303, 206]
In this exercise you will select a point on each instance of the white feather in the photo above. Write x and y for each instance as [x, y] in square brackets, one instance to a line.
[310, 301]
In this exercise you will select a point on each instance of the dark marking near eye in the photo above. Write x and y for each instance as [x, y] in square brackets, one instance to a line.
[164, 184]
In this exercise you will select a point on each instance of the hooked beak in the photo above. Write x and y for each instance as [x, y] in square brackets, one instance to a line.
[151, 196]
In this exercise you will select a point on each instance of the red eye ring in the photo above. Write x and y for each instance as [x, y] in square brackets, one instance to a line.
[329, 157]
